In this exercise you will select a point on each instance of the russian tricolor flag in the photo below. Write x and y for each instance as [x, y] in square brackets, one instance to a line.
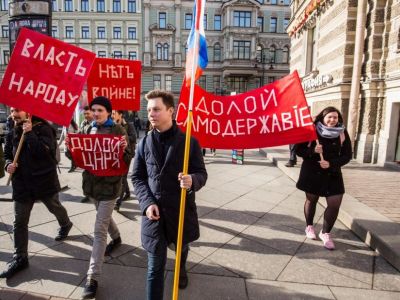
[197, 57]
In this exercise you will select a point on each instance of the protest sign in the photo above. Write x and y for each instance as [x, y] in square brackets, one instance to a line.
[45, 76]
[100, 154]
[117, 79]
[275, 114]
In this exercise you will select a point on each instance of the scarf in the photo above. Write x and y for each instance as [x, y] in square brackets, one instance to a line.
[95, 126]
[329, 132]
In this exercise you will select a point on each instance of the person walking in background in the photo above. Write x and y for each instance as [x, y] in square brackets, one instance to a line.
[72, 128]
[323, 177]
[158, 180]
[138, 126]
[293, 159]
[88, 119]
[34, 178]
[104, 192]
[118, 118]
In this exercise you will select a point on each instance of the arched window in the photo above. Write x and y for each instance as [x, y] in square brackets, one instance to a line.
[165, 51]
[159, 51]
[217, 52]
[272, 54]
[285, 55]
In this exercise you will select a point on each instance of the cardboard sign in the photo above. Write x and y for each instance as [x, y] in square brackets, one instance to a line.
[45, 76]
[117, 79]
[100, 154]
[275, 114]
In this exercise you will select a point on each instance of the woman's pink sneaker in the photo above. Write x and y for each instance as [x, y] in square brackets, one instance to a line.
[310, 232]
[327, 240]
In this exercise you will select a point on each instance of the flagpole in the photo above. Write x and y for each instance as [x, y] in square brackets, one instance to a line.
[185, 168]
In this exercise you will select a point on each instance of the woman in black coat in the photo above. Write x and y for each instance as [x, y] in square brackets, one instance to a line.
[320, 174]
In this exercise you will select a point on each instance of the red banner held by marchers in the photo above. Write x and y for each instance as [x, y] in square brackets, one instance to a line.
[275, 114]
[45, 76]
[117, 79]
[100, 154]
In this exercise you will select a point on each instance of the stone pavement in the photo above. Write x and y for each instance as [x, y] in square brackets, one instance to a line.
[252, 246]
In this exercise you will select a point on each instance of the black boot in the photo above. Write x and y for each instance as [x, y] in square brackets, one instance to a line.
[63, 232]
[89, 292]
[14, 266]
[183, 279]
[112, 245]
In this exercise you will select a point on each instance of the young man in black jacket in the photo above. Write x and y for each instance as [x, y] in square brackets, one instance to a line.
[157, 178]
[34, 177]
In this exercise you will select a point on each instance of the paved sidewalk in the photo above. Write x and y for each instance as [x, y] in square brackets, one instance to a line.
[252, 246]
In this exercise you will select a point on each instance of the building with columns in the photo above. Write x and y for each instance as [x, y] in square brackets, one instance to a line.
[348, 55]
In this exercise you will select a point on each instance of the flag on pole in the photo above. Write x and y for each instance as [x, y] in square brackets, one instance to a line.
[197, 48]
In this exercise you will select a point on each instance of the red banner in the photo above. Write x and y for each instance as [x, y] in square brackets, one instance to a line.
[45, 76]
[100, 154]
[275, 114]
[117, 79]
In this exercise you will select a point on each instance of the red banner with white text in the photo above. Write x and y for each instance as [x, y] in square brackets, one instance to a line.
[275, 114]
[100, 154]
[117, 79]
[45, 76]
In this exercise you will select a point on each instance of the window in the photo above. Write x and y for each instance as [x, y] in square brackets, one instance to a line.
[285, 55]
[165, 51]
[131, 6]
[132, 55]
[285, 23]
[117, 6]
[259, 54]
[188, 21]
[217, 22]
[242, 18]
[286, 2]
[157, 82]
[101, 53]
[274, 2]
[69, 32]
[272, 54]
[162, 20]
[85, 5]
[117, 54]
[159, 51]
[311, 50]
[132, 33]
[203, 82]
[241, 49]
[217, 84]
[168, 83]
[4, 31]
[217, 52]
[260, 23]
[54, 31]
[205, 22]
[4, 5]
[6, 57]
[117, 33]
[101, 32]
[101, 6]
[85, 32]
[54, 5]
[68, 5]
[238, 84]
[272, 25]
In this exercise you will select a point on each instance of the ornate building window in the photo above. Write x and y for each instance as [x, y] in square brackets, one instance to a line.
[159, 51]
[101, 6]
[242, 18]
[157, 82]
[168, 83]
[217, 22]
[68, 5]
[85, 5]
[188, 21]
[162, 20]
[217, 52]
[131, 6]
[101, 32]
[241, 49]
[272, 54]
[285, 55]
[165, 51]
[117, 6]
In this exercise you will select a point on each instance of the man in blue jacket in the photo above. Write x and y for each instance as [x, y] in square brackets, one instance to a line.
[157, 179]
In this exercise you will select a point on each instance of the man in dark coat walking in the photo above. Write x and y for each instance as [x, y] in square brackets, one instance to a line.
[157, 179]
[34, 177]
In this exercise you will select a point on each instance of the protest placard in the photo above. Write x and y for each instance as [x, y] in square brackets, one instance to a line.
[275, 114]
[45, 76]
[117, 79]
[100, 154]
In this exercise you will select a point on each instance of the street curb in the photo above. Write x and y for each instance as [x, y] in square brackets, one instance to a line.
[374, 229]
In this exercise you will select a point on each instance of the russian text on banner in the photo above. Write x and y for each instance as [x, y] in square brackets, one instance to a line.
[100, 154]
[45, 76]
[117, 79]
[275, 114]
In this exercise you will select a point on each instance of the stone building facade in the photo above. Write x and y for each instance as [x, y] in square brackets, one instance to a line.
[325, 52]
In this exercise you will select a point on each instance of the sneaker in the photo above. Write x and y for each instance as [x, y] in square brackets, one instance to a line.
[183, 279]
[290, 164]
[327, 240]
[63, 232]
[112, 245]
[85, 199]
[14, 266]
[89, 292]
[310, 232]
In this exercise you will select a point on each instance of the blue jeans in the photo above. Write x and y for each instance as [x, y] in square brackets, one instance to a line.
[155, 272]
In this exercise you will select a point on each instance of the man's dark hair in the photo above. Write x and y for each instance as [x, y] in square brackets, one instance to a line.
[86, 107]
[167, 98]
